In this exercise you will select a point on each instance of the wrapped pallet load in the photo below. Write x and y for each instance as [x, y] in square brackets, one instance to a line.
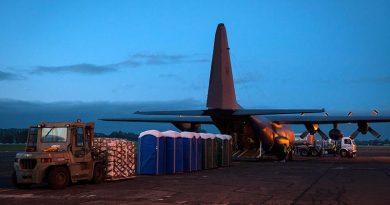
[189, 151]
[199, 152]
[118, 156]
[151, 154]
[174, 152]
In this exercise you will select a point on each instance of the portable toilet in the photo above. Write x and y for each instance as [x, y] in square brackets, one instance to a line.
[199, 153]
[213, 151]
[189, 151]
[209, 158]
[221, 158]
[174, 152]
[151, 153]
[228, 142]
[205, 149]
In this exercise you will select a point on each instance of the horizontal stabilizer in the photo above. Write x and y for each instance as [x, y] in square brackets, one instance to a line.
[178, 112]
[327, 119]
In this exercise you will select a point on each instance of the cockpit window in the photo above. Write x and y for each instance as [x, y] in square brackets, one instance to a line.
[54, 134]
[347, 141]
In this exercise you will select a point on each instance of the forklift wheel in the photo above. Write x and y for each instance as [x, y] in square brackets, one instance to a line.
[98, 174]
[58, 178]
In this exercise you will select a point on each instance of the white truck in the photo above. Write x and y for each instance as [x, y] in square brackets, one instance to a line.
[346, 147]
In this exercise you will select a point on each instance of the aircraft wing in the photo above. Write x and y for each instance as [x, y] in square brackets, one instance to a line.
[163, 119]
[327, 119]
[238, 112]
[176, 112]
[247, 112]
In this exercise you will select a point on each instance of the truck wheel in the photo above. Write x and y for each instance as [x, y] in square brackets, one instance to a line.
[16, 184]
[98, 174]
[314, 152]
[58, 178]
[343, 153]
[304, 152]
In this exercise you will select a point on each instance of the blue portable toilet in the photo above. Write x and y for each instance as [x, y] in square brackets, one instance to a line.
[151, 153]
[189, 151]
[199, 150]
[174, 152]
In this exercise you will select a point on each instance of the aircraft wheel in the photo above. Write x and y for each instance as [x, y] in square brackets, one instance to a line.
[343, 153]
[58, 178]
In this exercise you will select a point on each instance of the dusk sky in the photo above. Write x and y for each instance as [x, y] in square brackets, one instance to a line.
[285, 54]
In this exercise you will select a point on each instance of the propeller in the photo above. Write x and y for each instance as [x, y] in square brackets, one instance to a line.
[312, 129]
[374, 133]
[354, 134]
[364, 128]
[322, 134]
[304, 134]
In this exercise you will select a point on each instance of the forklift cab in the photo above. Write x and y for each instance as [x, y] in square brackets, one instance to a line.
[81, 149]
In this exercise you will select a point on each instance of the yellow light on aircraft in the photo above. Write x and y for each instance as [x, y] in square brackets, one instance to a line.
[282, 140]
[276, 124]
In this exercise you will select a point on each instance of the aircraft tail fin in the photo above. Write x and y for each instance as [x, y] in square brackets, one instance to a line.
[221, 94]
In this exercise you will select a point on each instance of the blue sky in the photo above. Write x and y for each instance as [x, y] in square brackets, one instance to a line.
[285, 54]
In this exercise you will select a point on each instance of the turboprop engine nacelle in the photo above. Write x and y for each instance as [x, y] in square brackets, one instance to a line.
[335, 134]
[187, 126]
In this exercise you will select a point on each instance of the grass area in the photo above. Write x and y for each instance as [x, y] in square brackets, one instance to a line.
[12, 147]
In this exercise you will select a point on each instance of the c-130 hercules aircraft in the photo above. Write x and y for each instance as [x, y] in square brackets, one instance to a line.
[247, 125]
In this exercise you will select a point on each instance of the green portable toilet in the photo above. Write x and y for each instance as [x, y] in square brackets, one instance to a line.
[213, 151]
[221, 158]
[205, 155]
[227, 145]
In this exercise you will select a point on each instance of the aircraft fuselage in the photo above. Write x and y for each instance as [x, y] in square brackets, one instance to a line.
[249, 131]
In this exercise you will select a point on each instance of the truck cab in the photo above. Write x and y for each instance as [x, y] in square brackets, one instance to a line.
[58, 153]
[347, 147]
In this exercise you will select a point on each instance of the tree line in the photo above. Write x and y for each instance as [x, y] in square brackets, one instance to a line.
[19, 136]
[13, 136]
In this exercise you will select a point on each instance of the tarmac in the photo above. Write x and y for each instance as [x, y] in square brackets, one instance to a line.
[306, 180]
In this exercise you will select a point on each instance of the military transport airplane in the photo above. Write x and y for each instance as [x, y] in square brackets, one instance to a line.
[250, 128]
